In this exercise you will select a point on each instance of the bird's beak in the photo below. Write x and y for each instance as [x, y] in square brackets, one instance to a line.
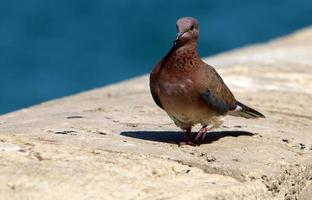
[178, 36]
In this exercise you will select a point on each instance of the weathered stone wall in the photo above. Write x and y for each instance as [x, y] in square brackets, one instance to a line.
[115, 143]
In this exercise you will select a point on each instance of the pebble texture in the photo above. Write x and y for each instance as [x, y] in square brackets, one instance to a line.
[115, 143]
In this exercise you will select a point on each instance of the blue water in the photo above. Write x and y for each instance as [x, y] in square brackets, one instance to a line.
[53, 48]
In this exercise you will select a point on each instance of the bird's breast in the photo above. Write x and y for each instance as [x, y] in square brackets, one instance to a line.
[182, 101]
[175, 92]
[177, 88]
[179, 97]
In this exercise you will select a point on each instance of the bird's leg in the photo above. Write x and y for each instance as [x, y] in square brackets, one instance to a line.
[187, 134]
[201, 134]
[186, 138]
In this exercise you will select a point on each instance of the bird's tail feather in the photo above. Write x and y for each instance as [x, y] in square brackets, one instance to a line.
[244, 111]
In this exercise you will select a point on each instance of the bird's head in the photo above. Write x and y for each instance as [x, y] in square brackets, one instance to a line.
[187, 30]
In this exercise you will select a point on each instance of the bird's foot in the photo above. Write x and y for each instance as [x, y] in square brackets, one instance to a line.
[190, 143]
[200, 137]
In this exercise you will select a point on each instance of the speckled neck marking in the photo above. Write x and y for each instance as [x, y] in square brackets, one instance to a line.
[184, 58]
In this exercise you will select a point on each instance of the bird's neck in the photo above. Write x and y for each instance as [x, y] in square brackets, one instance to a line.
[184, 58]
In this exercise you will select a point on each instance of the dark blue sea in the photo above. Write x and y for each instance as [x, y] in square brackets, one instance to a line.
[54, 48]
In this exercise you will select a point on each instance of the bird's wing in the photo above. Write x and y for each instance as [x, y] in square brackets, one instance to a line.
[155, 97]
[214, 92]
[153, 83]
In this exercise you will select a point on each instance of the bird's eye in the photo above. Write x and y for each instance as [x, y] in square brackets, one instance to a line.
[192, 27]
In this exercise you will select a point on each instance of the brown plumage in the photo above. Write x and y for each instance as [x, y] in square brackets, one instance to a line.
[190, 90]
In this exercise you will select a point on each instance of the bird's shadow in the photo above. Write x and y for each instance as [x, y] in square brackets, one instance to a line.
[175, 137]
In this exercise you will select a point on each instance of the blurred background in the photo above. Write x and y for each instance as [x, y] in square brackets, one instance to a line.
[53, 48]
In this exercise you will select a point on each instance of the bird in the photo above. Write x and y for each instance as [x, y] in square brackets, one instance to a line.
[191, 91]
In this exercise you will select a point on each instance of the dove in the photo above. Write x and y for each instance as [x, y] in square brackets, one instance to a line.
[191, 91]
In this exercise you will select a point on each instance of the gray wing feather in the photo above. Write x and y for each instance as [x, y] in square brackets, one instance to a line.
[216, 103]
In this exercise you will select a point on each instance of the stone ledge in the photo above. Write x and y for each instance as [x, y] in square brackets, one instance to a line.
[114, 143]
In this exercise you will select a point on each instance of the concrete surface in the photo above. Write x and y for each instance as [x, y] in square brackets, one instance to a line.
[115, 143]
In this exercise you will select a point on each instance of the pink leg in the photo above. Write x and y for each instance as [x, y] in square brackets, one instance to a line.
[201, 134]
[186, 139]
